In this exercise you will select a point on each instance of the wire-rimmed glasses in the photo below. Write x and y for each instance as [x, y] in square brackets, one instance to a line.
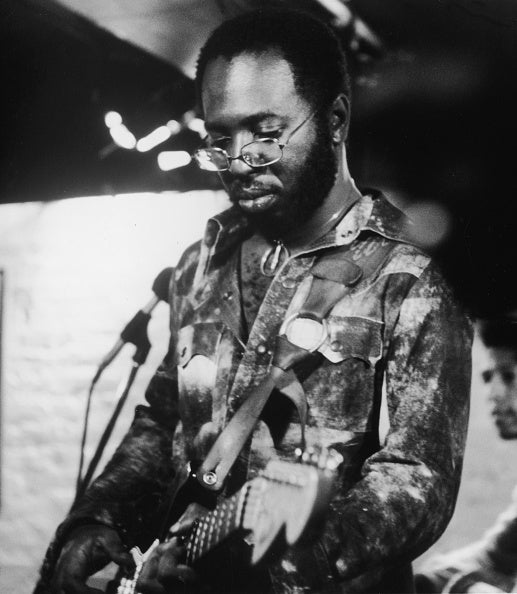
[258, 153]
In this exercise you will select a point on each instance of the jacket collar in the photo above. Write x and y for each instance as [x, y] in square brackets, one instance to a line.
[372, 212]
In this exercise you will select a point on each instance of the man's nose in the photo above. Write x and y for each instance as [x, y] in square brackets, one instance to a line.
[237, 164]
[239, 168]
[497, 392]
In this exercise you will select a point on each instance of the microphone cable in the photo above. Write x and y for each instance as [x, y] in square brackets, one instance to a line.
[134, 332]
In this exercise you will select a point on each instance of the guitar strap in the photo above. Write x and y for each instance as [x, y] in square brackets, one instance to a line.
[332, 275]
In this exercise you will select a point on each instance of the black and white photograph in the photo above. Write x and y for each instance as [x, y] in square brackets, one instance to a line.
[258, 321]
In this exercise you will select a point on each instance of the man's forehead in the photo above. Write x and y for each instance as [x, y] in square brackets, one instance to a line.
[248, 83]
[501, 357]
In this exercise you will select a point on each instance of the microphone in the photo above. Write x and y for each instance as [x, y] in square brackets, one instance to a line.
[135, 330]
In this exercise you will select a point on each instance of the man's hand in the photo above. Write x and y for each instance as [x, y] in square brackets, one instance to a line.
[165, 567]
[464, 570]
[163, 571]
[87, 550]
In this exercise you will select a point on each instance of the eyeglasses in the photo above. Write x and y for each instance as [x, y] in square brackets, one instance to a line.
[259, 153]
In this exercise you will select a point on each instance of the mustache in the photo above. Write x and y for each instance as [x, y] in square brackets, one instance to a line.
[504, 414]
[245, 189]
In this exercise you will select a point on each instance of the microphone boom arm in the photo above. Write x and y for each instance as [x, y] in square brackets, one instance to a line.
[134, 332]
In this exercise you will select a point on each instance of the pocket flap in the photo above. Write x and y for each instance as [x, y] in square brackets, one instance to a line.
[199, 339]
[352, 336]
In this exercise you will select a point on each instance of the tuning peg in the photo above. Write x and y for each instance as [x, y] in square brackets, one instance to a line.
[334, 459]
[310, 455]
[304, 455]
[323, 458]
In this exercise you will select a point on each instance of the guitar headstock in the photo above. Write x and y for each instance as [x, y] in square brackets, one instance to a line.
[289, 496]
[327, 460]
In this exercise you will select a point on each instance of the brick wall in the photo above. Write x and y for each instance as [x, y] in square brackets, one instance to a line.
[76, 271]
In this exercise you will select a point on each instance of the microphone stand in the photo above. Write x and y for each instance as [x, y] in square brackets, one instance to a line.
[135, 333]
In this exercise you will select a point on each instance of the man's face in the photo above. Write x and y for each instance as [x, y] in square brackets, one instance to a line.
[253, 96]
[500, 377]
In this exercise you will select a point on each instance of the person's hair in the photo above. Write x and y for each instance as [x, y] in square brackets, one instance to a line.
[311, 48]
[498, 332]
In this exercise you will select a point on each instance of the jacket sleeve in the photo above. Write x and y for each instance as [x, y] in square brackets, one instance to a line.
[407, 490]
[500, 543]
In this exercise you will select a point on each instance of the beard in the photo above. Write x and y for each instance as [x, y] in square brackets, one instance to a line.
[312, 186]
[507, 427]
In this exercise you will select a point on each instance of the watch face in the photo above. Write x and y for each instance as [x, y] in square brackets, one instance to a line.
[305, 333]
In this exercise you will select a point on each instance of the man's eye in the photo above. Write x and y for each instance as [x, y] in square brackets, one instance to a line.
[223, 142]
[268, 134]
[487, 376]
[508, 377]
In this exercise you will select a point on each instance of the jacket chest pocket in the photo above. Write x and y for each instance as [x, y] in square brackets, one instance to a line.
[353, 337]
[201, 353]
[343, 389]
[198, 340]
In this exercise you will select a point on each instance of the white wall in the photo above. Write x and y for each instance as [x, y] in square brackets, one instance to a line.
[76, 271]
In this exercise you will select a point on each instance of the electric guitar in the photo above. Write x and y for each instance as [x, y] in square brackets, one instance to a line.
[287, 498]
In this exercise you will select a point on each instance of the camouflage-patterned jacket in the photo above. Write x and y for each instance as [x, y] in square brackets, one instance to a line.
[398, 348]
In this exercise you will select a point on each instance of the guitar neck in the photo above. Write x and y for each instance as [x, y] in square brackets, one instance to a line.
[216, 526]
[209, 531]
[285, 496]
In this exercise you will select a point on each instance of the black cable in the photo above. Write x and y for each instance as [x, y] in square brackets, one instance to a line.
[135, 333]
[85, 481]
[85, 433]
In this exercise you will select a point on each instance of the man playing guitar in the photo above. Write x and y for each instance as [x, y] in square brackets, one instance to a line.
[306, 307]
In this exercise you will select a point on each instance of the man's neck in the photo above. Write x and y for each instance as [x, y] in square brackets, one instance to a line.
[340, 199]
[342, 196]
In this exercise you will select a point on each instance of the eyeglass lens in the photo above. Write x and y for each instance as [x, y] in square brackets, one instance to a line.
[259, 153]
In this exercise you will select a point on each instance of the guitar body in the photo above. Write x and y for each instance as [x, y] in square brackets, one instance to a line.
[278, 509]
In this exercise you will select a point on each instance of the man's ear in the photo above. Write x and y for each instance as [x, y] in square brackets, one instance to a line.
[339, 119]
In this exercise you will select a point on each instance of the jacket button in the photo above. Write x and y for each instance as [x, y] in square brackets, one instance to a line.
[228, 296]
[335, 345]
[289, 283]
[261, 348]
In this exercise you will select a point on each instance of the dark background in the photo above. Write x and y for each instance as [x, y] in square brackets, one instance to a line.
[433, 119]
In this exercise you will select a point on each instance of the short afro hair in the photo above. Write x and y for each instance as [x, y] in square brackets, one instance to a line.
[309, 46]
[498, 332]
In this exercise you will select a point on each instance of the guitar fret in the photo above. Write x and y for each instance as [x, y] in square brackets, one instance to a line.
[198, 542]
[224, 514]
[228, 518]
[200, 538]
[189, 550]
[204, 529]
[194, 545]
[201, 547]
[217, 527]
[236, 512]
[210, 529]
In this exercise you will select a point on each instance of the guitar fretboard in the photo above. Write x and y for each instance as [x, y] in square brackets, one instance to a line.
[215, 526]
[285, 494]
